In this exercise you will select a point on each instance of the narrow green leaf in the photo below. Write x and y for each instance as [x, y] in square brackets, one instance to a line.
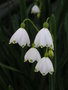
[53, 31]
[23, 9]
[66, 25]
[8, 67]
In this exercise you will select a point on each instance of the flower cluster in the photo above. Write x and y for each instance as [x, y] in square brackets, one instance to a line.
[42, 39]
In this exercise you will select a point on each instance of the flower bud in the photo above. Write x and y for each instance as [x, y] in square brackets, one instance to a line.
[51, 53]
[35, 9]
[38, 15]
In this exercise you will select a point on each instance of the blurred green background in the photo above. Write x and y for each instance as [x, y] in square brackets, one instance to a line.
[14, 73]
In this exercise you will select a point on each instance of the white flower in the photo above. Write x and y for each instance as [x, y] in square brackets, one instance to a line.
[45, 66]
[32, 55]
[21, 37]
[35, 9]
[43, 38]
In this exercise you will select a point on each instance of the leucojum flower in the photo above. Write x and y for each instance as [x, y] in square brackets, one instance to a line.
[45, 66]
[21, 37]
[32, 55]
[35, 9]
[44, 39]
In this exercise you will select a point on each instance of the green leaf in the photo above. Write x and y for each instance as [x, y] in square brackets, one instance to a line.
[8, 67]
[52, 78]
[23, 9]
[66, 25]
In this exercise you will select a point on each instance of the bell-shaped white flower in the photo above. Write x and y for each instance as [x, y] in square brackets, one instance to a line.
[21, 37]
[32, 55]
[45, 66]
[35, 9]
[44, 38]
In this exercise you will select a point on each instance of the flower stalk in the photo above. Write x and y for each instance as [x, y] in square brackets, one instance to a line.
[27, 19]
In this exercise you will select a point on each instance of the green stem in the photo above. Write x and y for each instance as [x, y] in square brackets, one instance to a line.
[40, 5]
[52, 79]
[47, 19]
[27, 19]
[46, 52]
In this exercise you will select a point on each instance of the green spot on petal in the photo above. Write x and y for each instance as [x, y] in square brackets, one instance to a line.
[35, 70]
[41, 46]
[31, 61]
[14, 42]
[51, 72]
[43, 74]
[24, 60]
[22, 46]
[46, 45]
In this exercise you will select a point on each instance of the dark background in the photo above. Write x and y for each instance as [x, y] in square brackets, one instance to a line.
[14, 73]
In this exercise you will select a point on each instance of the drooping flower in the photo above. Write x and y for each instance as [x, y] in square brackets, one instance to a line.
[21, 37]
[32, 55]
[44, 38]
[35, 9]
[45, 66]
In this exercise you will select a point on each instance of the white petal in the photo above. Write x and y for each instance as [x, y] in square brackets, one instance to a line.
[50, 65]
[39, 39]
[38, 65]
[43, 38]
[35, 9]
[44, 66]
[21, 37]
[49, 39]
[24, 39]
[32, 55]
[16, 36]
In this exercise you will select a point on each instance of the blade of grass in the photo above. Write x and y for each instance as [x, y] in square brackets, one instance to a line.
[23, 10]
[52, 79]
